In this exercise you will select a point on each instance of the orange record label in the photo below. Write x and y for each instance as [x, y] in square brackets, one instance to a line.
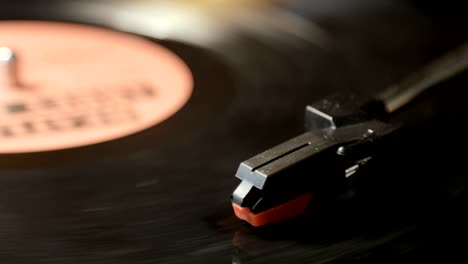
[68, 85]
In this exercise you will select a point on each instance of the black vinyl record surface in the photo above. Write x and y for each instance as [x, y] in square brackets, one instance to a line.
[161, 195]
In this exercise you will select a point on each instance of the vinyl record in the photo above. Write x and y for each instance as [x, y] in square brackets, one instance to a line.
[123, 123]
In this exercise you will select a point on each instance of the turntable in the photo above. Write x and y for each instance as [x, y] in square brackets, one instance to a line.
[123, 124]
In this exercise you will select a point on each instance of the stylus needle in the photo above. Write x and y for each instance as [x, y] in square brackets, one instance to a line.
[343, 135]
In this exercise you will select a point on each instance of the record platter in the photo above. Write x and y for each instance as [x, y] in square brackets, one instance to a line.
[122, 125]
